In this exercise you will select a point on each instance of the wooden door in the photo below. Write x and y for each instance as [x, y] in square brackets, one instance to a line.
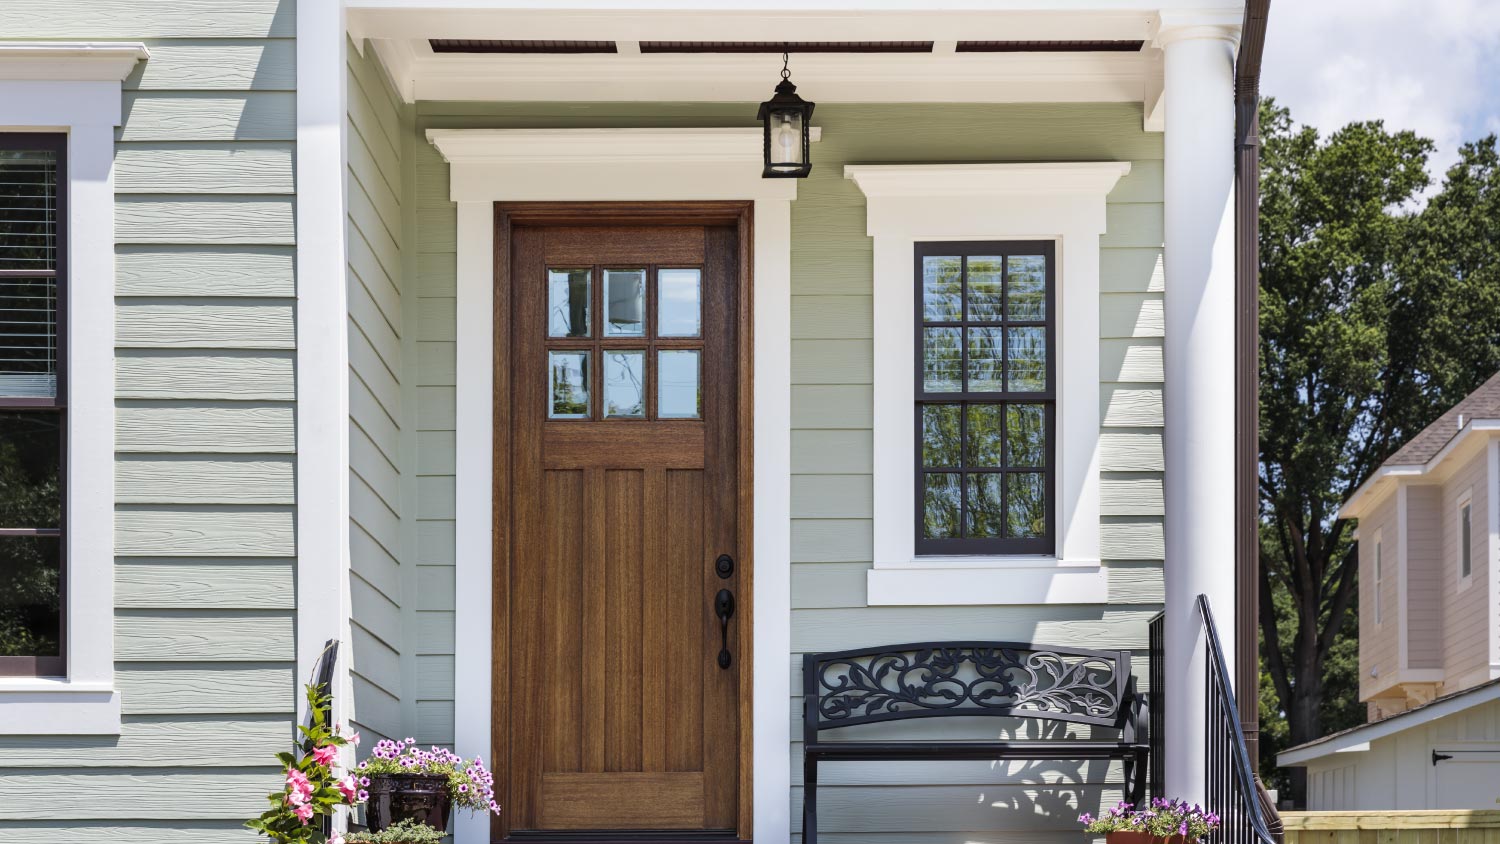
[624, 384]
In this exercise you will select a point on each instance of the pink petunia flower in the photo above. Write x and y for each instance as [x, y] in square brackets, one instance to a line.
[299, 788]
[337, 838]
[354, 740]
[304, 812]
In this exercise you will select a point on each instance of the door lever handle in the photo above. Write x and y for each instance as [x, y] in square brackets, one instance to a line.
[724, 609]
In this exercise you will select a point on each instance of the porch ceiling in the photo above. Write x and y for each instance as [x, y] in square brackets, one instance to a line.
[402, 32]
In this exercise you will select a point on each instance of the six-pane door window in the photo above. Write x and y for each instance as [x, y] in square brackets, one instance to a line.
[984, 398]
[32, 273]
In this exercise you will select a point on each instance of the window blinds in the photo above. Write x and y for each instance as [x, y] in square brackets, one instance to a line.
[29, 250]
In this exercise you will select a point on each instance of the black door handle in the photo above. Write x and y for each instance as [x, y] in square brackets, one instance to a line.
[724, 609]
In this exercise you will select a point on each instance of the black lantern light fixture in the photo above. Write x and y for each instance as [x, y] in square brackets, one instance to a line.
[788, 123]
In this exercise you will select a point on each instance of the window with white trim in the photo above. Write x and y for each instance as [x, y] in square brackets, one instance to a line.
[984, 398]
[1379, 578]
[33, 172]
[1465, 538]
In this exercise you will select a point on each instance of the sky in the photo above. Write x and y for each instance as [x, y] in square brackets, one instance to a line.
[1428, 65]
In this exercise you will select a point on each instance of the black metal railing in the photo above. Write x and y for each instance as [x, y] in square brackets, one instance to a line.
[1156, 698]
[1232, 791]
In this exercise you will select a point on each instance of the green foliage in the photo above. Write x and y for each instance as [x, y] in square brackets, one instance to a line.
[313, 785]
[401, 832]
[1376, 316]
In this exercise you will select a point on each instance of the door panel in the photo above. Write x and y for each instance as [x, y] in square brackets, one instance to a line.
[620, 716]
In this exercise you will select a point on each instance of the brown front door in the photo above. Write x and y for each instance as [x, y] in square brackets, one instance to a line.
[625, 454]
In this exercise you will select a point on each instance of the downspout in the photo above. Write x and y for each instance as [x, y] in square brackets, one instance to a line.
[1247, 371]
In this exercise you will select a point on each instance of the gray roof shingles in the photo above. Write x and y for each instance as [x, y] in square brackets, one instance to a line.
[1483, 403]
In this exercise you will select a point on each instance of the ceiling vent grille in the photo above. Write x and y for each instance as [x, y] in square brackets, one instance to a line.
[786, 46]
[473, 45]
[1049, 46]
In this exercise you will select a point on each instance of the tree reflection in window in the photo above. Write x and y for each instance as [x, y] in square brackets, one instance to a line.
[984, 398]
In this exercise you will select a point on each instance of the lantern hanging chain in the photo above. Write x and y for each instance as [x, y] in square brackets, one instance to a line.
[785, 60]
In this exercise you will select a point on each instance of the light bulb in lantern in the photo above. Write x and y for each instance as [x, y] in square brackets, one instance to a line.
[788, 138]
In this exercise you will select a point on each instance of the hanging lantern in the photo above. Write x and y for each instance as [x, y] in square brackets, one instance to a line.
[788, 122]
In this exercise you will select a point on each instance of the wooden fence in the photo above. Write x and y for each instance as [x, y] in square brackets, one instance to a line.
[1416, 827]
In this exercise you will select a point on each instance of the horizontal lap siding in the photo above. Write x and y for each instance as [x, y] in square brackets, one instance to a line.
[204, 481]
[377, 428]
[832, 354]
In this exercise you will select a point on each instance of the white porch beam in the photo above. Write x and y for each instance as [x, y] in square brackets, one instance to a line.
[1199, 362]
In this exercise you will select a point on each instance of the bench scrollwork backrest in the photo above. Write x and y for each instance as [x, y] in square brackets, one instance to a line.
[898, 682]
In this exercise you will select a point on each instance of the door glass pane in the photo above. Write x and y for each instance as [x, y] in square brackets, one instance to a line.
[983, 439]
[942, 360]
[678, 395]
[568, 385]
[1026, 368]
[942, 288]
[985, 514]
[985, 360]
[942, 505]
[568, 303]
[679, 303]
[940, 435]
[625, 384]
[624, 303]
[30, 596]
[986, 283]
[1026, 505]
[1025, 435]
[1026, 287]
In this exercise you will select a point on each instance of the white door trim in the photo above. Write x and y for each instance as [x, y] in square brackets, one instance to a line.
[493, 165]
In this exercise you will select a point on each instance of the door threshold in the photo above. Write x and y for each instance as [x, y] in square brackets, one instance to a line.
[624, 836]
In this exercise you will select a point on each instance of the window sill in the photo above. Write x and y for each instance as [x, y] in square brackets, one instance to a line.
[46, 707]
[968, 581]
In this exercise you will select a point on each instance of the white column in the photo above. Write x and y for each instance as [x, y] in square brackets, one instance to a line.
[1199, 362]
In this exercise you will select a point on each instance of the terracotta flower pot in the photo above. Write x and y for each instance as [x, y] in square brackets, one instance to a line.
[397, 797]
[1143, 838]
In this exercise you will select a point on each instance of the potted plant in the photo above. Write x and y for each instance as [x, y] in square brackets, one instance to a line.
[408, 783]
[401, 832]
[314, 784]
[1164, 822]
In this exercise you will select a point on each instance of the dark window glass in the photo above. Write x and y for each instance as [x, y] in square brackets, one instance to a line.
[985, 398]
[33, 250]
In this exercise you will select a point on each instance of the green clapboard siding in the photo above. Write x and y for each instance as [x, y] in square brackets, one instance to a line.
[379, 436]
[832, 372]
[205, 550]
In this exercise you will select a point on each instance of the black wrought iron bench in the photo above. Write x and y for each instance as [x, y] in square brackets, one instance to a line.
[947, 679]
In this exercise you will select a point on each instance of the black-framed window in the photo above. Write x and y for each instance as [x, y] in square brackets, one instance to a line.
[985, 397]
[33, 270]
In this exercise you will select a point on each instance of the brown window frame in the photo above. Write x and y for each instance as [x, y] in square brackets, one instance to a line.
[48, 666]
[990, 546]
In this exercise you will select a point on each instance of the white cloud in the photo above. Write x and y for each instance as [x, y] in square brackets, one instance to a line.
[1432, 66]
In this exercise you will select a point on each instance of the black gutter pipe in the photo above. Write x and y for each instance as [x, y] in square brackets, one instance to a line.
[1247, 371]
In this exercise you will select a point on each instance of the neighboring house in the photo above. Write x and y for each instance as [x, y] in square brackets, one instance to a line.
[305, 380]
[1429, 626]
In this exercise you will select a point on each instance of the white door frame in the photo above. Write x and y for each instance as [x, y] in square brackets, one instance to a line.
[532, 165]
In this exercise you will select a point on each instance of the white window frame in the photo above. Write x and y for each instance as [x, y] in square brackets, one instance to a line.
[1061, 202]
[74, 88]
[1379, 579]
[1465, 500]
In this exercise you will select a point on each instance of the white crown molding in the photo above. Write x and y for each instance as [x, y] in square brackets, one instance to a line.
[1053, 178]
[714, 77]
[1173, 25]
[70, 61]
[599, 146]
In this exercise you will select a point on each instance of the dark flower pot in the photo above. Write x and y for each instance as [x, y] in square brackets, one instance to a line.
[398, 797]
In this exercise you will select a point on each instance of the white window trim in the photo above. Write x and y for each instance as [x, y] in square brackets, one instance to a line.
[74, 87]
[1379, 579]
[1061, 202]
[1465, 499]
[493, 165]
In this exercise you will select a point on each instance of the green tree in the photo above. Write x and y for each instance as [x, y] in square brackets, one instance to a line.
[1375, 317]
